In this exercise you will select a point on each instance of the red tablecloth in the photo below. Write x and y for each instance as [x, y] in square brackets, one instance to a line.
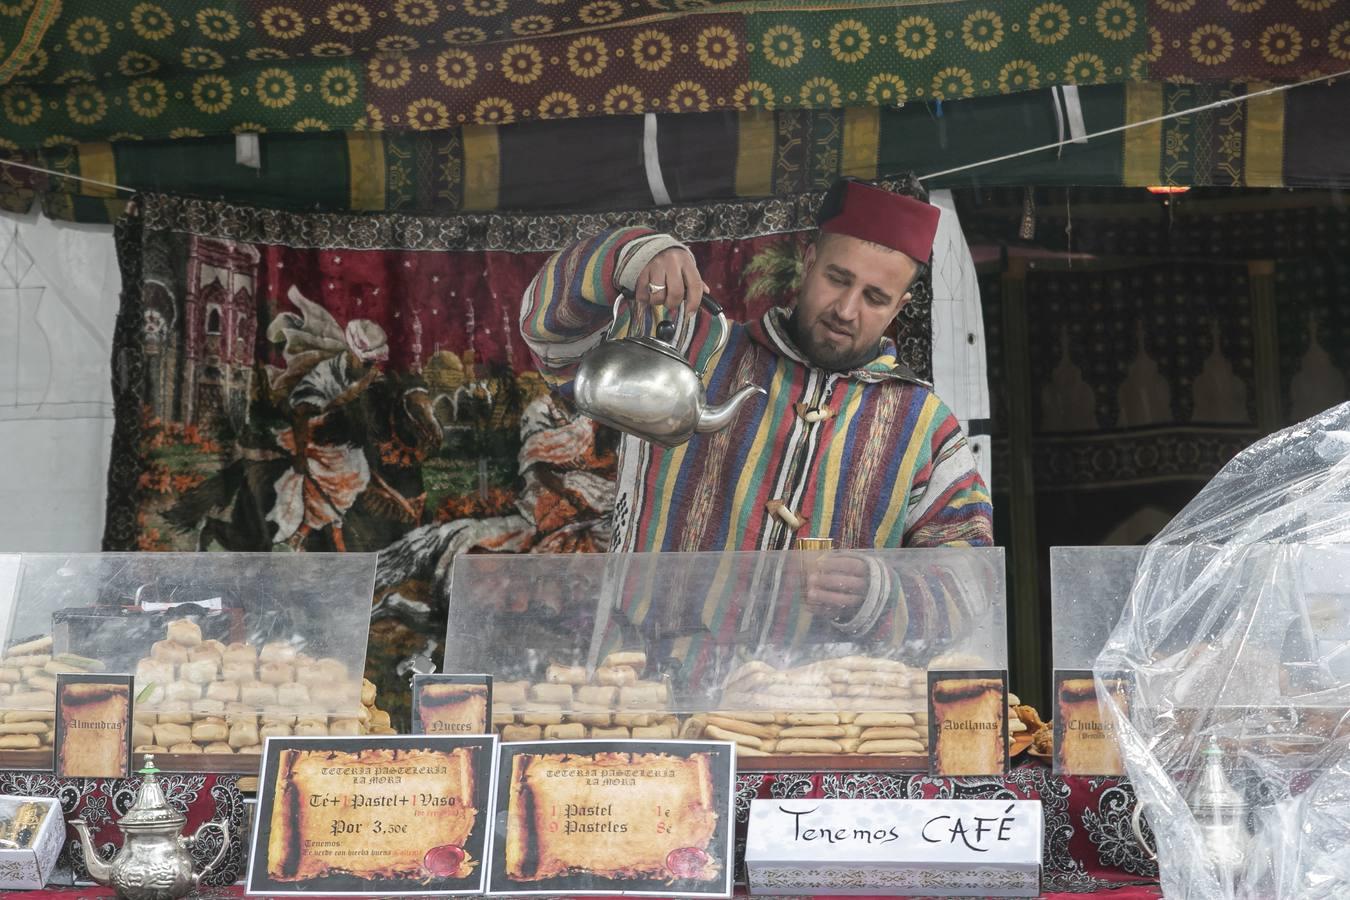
[1124, 893]
[1088, 844]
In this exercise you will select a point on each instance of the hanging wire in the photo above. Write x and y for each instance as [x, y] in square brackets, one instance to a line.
[1218, 104]
[1228, 101]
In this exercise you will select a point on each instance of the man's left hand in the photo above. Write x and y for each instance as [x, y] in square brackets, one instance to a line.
[837, 586]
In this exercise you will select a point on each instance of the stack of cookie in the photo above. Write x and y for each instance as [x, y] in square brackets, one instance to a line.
[202, 696]
[814, 733]
[567, 705]
[28, 692]
[846, 683]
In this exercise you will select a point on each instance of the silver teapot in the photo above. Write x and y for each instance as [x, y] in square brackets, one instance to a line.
[154, 862]
[645, 387]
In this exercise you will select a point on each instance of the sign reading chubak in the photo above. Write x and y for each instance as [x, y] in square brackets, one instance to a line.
[378, 816]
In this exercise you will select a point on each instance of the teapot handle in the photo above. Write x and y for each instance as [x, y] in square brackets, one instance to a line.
[708, 303]
[1136, 825]
[219, 857]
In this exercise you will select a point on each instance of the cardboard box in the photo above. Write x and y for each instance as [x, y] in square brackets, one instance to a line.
[911, 848]
[29, 869]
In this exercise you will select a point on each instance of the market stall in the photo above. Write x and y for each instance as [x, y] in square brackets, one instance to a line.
[326, 215]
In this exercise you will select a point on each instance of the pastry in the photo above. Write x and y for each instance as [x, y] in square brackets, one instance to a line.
[276, 673]
[218, 747]
[208, 707]
[569, 732]
[274, 729]
[185, 632]
[901, 746]
[311, 728]
[814, 731]
[808, 745]
[258, 694]
[522, 733]
[182, 690]
[557, 674]
[224, 691]
[169, 652]
[203, 671]
[154, 671]
[557, 694]
[597, 695]
[168, 735]
[277, 652]
[292, 694]
[635, 659]
[511, 692]
[185, 747]
[239, 671]
[344, 728]
[242, 654]
[242, 734]
[617, 733]
[616, 676]
[209, 731]
[212, 650]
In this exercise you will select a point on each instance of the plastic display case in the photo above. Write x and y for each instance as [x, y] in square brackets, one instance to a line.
[226, 648]
[743, 646]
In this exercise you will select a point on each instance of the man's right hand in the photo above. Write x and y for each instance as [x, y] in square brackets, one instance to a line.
[671, 280]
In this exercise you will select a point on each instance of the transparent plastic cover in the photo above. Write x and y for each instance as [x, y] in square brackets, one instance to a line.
[213, 639]
[1089, 586]
[726, 631]
[1236, 639]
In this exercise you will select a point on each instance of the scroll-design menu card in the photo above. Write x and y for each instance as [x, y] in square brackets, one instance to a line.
[968, 722]
[1085, 740]
[373, 815]
[602, 817]
[93, 726]
[452, 704]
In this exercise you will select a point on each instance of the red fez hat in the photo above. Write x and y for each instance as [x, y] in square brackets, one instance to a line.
[875, 214]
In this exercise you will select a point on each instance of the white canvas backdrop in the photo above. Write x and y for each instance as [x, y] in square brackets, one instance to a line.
[58, 301]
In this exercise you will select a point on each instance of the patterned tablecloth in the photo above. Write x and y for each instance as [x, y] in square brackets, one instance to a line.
[1088, 843]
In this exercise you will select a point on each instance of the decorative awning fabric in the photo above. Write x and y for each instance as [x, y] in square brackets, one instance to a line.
[82, 71]
[1278, 140]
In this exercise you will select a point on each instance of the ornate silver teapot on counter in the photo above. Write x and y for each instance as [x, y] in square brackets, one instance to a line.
[644, 385]
[154, 862]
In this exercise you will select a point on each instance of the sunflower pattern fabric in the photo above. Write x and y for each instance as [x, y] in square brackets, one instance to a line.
[1273, 40]
[147, 69]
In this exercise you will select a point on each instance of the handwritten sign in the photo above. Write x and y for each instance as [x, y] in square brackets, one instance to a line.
[380, 816]
[935, 848]
[609, 817]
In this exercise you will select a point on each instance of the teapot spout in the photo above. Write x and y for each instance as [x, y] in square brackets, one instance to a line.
[715, 418]
[99, 869]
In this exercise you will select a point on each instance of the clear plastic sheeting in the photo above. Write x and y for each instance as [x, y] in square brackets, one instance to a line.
[1236, 643]
[725, 631]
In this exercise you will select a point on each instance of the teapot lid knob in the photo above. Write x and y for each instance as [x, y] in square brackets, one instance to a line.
[148, 766]
[665, 331]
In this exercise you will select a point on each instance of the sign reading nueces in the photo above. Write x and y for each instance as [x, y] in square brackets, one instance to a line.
[606, 817]
[452, 704]
[373, 815]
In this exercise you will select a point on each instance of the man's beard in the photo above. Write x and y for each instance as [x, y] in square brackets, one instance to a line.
[825, 356]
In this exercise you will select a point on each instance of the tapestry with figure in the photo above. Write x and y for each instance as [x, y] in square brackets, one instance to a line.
[328, 382]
